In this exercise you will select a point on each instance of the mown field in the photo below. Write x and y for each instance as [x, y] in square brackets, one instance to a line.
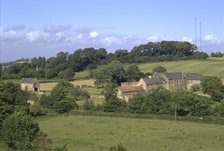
[206, 67]
[92, 133]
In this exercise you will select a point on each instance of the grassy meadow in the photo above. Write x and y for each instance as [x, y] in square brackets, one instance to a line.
[85, 133]
[207, 67]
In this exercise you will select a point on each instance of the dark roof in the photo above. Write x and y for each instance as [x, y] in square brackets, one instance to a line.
[193, 76]
[129, 88]
[173, 75]
[153, 81]
[29, 80]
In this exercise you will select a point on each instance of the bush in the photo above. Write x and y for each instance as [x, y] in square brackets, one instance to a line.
[64, 106]
[37, 110]
[19, 131]
[159, 69]
[219, 109]
[119, 147]
[89, 105]
[196, 88]
[115, 105]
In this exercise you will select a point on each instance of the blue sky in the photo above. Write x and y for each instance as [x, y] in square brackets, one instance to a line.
[44, 27]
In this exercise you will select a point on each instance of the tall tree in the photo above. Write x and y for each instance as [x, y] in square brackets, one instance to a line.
[19, 131]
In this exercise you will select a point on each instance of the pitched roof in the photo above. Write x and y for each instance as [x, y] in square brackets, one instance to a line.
[193, 76]
[173, 75]
[130, 88]
[152, 81]
[29, 80]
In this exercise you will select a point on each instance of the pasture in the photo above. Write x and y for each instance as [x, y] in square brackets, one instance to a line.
[85, 133]
[207, 67]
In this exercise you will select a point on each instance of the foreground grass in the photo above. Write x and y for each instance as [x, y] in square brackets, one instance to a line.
[84, 133]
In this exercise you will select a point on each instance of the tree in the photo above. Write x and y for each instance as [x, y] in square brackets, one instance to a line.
[62, 90]
[213, 87]
[0, 70]
[134, 73]
[159, 69]
[19, 131]
[112, 103]
[158, 101]
[138, 104]
[113, 72]
[46, 101]
[63, 97]
[189, 103]
[68, 74]
[110, 92]
[64, 106]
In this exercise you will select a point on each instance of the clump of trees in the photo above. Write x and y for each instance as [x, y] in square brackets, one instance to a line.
[217, 54]
[115, 72]
[159, 69]
[213, 87]
[64, 65]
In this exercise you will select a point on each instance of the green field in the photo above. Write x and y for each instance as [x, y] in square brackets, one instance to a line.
[206, 67]
[92, 133]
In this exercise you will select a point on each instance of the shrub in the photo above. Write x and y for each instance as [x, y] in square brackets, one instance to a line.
[89, 105]
[64, 106]
[37, 110]
[196, 88]
[119, 147]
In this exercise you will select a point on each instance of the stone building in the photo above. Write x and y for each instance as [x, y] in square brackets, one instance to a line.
[126, 92]
[30, 84]
[170, 81]
[192, 79]
[151, 83]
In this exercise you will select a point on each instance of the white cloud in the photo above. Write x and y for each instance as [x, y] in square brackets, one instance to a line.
[156, 38]
[1, 29]
[186, 38]
[79, 36]
[111, 39]
[93, 34]
[33, 35]
[210, 37]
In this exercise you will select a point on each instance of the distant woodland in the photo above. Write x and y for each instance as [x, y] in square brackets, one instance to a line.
[64, 65]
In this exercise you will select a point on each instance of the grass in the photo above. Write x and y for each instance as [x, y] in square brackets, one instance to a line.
[206, 67]
[93, 90]
[84, 133]
[82, 74]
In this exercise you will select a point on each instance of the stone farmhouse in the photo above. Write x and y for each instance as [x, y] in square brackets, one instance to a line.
[126, 92]
[30, 84]
[170, 81]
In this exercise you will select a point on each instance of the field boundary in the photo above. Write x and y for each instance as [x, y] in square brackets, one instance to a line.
[204, 119]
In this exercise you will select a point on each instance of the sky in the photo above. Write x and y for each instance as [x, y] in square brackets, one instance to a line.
[45, 27]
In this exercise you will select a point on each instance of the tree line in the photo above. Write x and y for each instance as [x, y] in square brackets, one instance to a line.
[217, 54]
[64, 65]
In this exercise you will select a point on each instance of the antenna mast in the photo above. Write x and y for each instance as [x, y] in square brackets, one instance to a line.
[200, 36]
[196, 34]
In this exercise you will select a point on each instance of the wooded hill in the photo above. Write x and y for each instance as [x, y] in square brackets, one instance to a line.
[63, 65]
